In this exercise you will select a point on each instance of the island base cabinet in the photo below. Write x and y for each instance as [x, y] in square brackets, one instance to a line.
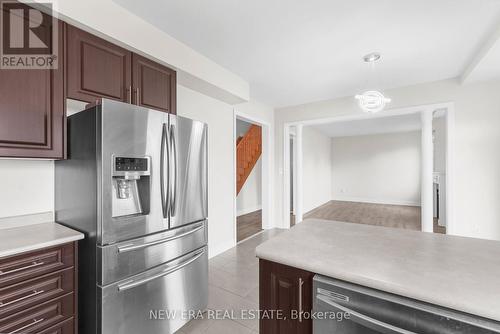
[285, 297]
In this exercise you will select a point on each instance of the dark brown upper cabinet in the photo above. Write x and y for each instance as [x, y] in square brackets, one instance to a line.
[96, 68]
[33, 102]
[154, 84]
[32, 110]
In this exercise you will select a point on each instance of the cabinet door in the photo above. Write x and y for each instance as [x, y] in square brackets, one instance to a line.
[154, 85]
[288, 290]
[96, 68]
[32, 111]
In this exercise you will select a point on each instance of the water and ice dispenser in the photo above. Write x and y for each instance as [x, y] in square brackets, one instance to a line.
[131, 186]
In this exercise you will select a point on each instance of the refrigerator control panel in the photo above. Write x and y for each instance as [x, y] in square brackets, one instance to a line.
[138, 165]
[123, 164]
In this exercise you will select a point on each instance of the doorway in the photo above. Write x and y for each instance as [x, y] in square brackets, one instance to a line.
[252, 175]
[248, 179]
[434, 211]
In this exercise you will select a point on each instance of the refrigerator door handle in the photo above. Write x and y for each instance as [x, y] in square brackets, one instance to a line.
[204, 177]
[134, 283]
[132, 247]
[165, 175]
[173, 181]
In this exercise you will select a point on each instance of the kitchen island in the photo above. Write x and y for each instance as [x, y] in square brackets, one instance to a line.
[456, 273]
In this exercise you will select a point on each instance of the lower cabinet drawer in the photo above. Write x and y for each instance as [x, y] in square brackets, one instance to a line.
[33, 264]
[20, 296]
[64, 327]
[40, 317]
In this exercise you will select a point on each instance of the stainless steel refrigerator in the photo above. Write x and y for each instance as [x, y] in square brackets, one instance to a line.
[135, 183]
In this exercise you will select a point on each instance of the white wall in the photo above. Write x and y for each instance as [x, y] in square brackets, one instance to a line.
[477, 162]
[316, 168]
[250, 197]
[259, 112]
[242, 127]
[439, 135]
[382, 168]
[27, 187]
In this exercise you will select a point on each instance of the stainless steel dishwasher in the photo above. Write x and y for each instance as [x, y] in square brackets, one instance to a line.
[344, 308]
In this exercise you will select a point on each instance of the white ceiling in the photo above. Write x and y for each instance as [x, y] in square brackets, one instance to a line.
[486, 64]
[370, 126]
[299, 51]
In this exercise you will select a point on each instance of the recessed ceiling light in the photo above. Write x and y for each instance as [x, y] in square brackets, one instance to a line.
[371, 57]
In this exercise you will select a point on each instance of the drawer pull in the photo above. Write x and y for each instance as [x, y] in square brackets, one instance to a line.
[32, 265]
[33, 294]
[33, 323]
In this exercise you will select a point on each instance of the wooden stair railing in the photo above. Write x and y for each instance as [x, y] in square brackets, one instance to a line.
[248, 151]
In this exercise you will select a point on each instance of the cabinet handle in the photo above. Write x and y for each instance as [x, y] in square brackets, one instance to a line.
[129, 94]
[301, 283]
[137, 97]
[34, 322]
[33, 264]
[33, 294]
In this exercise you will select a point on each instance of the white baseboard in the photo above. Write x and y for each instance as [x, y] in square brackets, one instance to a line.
[248, 210]
[375, 201]
[214, 250]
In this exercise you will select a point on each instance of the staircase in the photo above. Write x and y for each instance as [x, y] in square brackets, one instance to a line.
[248, 151]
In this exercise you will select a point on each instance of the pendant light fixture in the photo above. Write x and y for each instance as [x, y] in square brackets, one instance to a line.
[372, 101]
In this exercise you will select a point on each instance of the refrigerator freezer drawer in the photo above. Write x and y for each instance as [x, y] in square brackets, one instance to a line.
[130, 306]
[131, 257]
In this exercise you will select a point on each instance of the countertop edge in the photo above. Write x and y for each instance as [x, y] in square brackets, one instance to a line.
[20, 250]
[24, 247]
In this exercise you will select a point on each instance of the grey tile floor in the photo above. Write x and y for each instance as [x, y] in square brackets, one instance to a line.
[233, 285]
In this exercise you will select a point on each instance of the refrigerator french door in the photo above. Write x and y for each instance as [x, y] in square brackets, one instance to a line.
[188, 174]
[177, 150]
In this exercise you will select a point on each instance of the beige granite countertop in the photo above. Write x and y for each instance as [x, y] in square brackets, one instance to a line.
[455, 272]
[16, 240]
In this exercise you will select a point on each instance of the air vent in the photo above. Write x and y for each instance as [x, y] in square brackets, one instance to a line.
[333, 295]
